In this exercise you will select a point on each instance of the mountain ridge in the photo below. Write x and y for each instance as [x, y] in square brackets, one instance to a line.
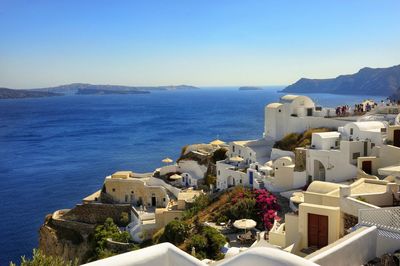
[369, 81]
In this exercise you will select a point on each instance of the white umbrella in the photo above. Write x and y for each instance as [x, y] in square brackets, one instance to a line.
[217, 142]
[245, 224]
[175, 177]
[236, 159]
[167, 160]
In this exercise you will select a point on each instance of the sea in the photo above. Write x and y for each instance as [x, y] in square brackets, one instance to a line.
[55, 151]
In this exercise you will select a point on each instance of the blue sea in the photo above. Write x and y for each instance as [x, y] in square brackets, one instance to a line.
[55, 151]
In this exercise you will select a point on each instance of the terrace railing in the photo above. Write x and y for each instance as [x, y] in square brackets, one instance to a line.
[384, 218]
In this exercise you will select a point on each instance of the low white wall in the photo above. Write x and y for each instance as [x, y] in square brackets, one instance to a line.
[193, 168]
[168, 169]
[261, 256]
[164, 254]
[356, 248]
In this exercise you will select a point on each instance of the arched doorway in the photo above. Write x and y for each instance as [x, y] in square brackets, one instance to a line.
[319, 171]
[231, 181]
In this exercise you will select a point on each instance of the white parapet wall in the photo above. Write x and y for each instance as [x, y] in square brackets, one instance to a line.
[356, 248]
[164, 254]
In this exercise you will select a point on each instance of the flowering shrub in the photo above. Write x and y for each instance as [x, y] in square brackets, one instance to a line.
[267, 206]
[258, 204]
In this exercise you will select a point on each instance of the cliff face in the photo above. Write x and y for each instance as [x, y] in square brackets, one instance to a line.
[69, 233]
[66, 239]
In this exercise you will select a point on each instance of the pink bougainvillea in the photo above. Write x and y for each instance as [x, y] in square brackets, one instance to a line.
[267, 206]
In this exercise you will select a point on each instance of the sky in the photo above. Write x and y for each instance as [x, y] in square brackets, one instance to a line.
[202, 43]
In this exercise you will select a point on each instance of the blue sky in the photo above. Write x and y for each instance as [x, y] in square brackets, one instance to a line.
[204, 43]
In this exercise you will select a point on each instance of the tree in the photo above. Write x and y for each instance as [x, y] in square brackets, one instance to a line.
[200, 203]
[109, 230]
[175, 232]
[215, 241]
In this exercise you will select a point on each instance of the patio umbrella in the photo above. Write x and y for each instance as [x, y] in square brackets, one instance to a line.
[217, 142]
[236, 159]
[167, 160]
[245, 224]
[175, 177]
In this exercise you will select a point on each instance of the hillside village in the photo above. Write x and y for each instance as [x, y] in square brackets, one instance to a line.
[324, 186]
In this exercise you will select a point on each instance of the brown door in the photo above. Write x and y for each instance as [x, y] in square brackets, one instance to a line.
[317, 230]
[367, 167]
[396, 138]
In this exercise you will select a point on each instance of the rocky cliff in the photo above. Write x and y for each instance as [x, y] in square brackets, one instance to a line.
[69, 233]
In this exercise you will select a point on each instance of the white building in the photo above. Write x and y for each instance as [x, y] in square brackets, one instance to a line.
[296, 113]
[374, 131]
[191, 171]
[277, 175]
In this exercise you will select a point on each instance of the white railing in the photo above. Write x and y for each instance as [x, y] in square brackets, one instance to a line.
[385, 218]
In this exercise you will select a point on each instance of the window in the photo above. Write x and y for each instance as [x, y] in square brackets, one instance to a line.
[372, 145]
[113, 189]
[126, 198]
[239, 151]
[233, 148]
[163, 199]
[279, 110]
[351, 131]
[131, 191]
[219, 172]
[240, 181]
[356, 155]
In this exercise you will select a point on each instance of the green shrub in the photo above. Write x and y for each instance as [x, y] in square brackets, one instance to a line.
[124, 219]
[175, 232]
[200, 203]
[108, 230]
[219, 154]
[215, 241]
[39, 259]
[222, 219]
[210, 180]
[199, 243]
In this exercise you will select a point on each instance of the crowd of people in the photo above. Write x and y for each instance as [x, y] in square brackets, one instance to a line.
[362, 108]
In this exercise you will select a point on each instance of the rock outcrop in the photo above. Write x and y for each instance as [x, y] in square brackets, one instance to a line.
[69, 233]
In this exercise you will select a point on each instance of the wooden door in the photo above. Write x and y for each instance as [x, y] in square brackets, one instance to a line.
[317, 230]
[396, 138]
[367, 167]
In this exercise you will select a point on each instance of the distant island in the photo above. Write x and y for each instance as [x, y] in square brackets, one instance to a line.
[249, 88]
[75, 87]
[104, 91]
[367, 81]
[18, 94]
[86, 89]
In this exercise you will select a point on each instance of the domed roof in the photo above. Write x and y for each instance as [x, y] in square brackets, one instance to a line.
[322, 187]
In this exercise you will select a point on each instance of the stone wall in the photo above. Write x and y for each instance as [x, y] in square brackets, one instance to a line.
[96, 213]
[300, 159]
